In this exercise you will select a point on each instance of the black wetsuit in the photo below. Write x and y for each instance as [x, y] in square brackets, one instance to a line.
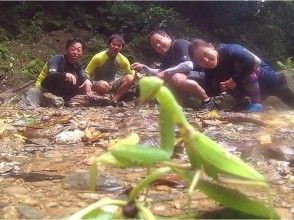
[52, 77]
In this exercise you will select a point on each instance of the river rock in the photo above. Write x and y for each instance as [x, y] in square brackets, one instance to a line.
[50, 100]
[80, 180]
[69, 137]
[30, 212]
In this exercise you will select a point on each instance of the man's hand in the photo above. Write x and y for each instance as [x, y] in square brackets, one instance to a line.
[87, 87]
[228, 85]
[70, 78]
[161, 74]
[137, 66]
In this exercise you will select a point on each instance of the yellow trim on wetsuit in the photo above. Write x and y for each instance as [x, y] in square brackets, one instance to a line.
[100, 58]
[42, 76]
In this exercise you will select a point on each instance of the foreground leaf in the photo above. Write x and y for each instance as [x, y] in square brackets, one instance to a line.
[234, 199]
[216, 157]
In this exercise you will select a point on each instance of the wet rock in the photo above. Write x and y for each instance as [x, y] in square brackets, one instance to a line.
[4, 168]
[81, 180]
[31, 98]
[150, 141]
[288, 152]
[69, 137]
[35, 177]
[2, 205]
[50, 100]
[30, 212]
[160, 197]
[282, 167]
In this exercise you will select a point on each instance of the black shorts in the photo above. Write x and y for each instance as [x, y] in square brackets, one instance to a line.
[199, 77]
[115, 84]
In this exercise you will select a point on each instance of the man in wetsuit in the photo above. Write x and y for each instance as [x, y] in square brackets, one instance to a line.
[63, 75]
[234, 69]
[106, 65]
[176, 67]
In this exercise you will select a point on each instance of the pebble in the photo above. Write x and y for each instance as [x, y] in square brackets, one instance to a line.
[159, 208]
[163, 188]
[177, 205]
[93, 196]
[65, 204]
[52, 204]
[30, 201]
[120, 115]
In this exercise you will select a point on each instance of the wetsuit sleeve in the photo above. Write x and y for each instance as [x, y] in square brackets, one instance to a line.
[183, 67]
[42, 76]
[244, 61]
[125, 64]
[150, 71]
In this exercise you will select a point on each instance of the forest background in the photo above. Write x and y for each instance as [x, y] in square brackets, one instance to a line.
[31, 32]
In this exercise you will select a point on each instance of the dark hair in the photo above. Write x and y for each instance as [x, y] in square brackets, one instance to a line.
[160, 32]
[196, 42]
[116, 37]
[73, 41]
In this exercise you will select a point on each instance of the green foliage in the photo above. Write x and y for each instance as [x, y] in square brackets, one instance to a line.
[287, 65]
[32, 32]
[4, 54]
[4, 35]
[269, 25]
[135, 21]
[32, 70]
[93, 46]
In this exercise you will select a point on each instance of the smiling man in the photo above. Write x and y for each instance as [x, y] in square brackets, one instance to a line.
[106, 65]
[236, 70]
[176, 67]
[63, 75]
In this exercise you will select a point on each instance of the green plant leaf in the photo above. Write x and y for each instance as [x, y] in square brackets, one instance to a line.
[136, 155]
[214, 156]
[234, 199]
[149, 86]
[94, 211]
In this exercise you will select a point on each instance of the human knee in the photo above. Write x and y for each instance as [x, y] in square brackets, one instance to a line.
[102, 86]
[128, 80]
[178, 79]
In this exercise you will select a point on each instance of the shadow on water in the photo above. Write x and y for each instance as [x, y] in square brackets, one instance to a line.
[31, 176]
